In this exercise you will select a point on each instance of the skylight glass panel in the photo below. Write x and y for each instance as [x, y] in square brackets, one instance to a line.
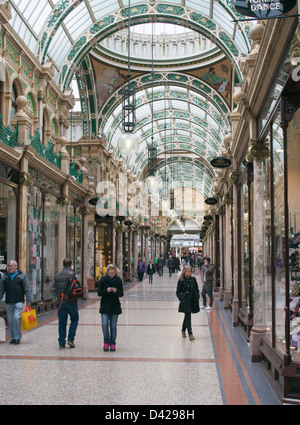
[116, 137]
[78, 20]
[241, 43]
[108, 124]
[38, 21]
[175, 88]
[102, 8]
[158, 105]
[59, 46]
[202, 6]
[177, 104]
[222, 17]
[212, 122]
[143, 112]
[198, 112]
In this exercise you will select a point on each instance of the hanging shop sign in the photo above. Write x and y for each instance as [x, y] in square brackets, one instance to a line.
[220, 162]
[261, 9]
[211, 201]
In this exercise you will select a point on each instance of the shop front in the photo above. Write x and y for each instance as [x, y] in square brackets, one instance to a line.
[8, 218]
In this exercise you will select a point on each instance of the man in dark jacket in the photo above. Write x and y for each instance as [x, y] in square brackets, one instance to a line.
[65, 306]
[171, 265]
[161, 262]
[208, 277]
[150, 271]
[15, 285]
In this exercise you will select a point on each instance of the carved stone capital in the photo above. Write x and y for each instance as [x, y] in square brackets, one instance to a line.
[233, 177]
[257, 151]
[84, 210]
[25, 179]
[226, 200]
[63, 201]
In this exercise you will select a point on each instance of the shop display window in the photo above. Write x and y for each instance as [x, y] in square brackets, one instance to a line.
[8, 215]
[70, 229]
[51, 221]
[103, 248]
[268, 258]
[74, 237]
[279, 229]
[293, 157]
[35, 240]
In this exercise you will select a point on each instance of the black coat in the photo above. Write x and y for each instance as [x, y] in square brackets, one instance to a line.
[188, 294]
[151, 270]
[110, 303]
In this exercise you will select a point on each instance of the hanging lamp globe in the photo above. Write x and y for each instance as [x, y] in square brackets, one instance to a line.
[152, 182]
[128, 143]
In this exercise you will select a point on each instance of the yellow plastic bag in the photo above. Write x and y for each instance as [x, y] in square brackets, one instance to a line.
[28, 319]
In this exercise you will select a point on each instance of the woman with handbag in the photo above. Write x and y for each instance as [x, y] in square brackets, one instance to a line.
[110, 289]
[188, 294]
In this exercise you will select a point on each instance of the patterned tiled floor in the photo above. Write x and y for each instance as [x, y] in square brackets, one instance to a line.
[153, 364]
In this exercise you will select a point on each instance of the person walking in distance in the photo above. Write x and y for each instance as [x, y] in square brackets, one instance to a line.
[66, 307]
[141, 268]
[110, 289]
[171, 265]
[150, 271]
[161, 262]
[15, 285]
[208, 278]
[188, 294]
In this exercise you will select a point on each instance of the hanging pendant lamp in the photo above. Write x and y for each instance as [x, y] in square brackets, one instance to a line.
[128, 142]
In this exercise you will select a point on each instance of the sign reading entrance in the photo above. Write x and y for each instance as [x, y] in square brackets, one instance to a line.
[261, 9]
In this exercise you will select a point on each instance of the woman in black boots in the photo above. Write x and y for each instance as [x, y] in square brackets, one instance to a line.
[188, 294]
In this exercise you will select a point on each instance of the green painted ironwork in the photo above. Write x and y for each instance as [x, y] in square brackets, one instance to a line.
[7, 136]
[75, 173]
[43, 150]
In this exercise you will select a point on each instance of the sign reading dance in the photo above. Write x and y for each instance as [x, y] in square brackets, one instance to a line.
[261, 9]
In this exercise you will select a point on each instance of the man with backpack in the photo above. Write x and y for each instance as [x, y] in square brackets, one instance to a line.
[66, 287]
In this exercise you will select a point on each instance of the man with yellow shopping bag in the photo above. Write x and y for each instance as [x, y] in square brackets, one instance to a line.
[15, 285]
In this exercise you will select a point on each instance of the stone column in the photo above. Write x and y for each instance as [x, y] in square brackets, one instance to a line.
[135, 252]
[119, 250]
[146, 248]
[129, 236]
[235, 301]
[221, 254]
[258, 153]
[85, 210]
[23, 122]
[227, 256]
[90, 253]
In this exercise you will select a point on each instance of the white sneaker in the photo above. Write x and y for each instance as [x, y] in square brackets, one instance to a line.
[203, 307]
[208, 308]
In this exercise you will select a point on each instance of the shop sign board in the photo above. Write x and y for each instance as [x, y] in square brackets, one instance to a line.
[261, 9]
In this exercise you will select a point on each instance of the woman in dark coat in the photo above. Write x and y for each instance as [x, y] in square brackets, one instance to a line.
[110, 289]
[188, 294]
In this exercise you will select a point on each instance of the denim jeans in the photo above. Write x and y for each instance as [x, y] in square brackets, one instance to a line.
[207, 289]
[109, 327]
[72, 310]
[14, 319]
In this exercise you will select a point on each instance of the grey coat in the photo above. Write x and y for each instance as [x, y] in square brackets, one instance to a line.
[60, 282]
[208, 273]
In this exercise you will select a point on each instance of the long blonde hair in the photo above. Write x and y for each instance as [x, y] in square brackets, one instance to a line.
[185, 268]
